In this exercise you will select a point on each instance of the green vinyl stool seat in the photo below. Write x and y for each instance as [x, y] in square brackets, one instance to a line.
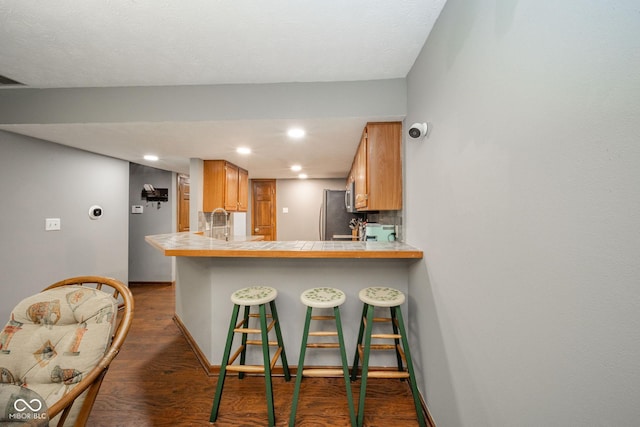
[392, 299]
[253, 296]
[322, 298]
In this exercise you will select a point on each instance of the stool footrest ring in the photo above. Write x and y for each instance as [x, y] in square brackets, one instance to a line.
[323, 345]
[323, 334]
[253, 369]
[322, 372]
[388, 374]
[258, 342]
[323, 317]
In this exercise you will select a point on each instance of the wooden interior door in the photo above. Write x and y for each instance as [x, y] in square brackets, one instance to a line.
[183, 202]
[263, 208]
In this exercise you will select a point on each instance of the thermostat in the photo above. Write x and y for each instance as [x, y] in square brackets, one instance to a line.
[95, 212]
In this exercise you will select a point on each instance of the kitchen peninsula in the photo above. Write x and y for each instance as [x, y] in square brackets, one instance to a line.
[209, 270]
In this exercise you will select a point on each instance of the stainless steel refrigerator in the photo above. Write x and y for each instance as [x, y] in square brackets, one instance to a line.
[334, 218]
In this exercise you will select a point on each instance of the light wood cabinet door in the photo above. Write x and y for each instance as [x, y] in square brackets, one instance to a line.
[243, 190]
[214, 182]
[360, 173]
[231, 187]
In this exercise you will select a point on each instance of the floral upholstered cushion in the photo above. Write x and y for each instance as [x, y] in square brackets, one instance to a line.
[56, 337]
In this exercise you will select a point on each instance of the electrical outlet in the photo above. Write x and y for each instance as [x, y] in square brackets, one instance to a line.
[52, 224]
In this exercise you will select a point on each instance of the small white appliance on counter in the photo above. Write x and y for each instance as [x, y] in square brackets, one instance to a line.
[380, 232]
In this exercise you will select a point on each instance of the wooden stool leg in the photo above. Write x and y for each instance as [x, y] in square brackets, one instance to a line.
[354, 372]
[267, 364]
[245, 325]
[397, 340]
[365, 364]
[345, 366]
[412, 377]
[223, 365]
[303, 350]
[283, 354]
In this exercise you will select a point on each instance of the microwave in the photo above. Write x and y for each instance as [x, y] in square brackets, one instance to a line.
[350, 198]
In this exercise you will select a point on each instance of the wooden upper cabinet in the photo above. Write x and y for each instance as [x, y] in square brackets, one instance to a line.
[224, 186]
[377, 168]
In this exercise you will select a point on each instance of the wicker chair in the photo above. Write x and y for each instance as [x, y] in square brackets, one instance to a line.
[83, 389]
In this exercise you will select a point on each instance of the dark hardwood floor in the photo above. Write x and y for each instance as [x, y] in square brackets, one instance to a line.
[156, 380]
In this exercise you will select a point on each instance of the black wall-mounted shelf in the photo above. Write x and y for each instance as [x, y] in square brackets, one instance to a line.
[157, 195]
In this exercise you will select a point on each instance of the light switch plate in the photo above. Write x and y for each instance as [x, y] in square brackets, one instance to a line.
[52, 224]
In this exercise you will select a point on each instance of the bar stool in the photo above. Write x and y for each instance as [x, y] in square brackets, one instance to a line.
[248, 297]
[392, 298]
[322, 298]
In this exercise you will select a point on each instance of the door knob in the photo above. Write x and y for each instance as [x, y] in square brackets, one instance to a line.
[256, 229]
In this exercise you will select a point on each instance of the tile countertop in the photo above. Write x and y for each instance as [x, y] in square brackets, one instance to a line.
[193, 245]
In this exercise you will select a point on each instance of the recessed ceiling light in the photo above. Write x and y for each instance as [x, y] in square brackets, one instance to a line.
[296, 168]
[151, 157]
[303, 176]
[243, 150]
[296, 133]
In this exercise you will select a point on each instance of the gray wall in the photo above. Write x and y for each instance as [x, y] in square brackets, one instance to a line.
[194, 103]
[146, 263]
[39, 180]
[303, 198]
[525, 199]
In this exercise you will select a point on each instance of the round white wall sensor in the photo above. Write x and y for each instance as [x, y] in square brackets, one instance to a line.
[95, 212]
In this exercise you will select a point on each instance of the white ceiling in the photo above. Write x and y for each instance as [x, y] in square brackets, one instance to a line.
[94, 43]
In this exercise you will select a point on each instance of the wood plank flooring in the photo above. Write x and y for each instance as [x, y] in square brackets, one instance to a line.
[156, 380]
